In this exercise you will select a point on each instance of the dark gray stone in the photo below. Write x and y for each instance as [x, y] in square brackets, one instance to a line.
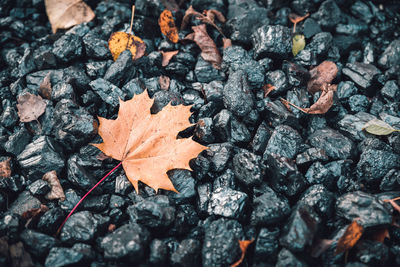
[320, 44]
[285, 141]
[23, 203]
[39, 187]
[328, 14]
[187, 254]
[227, 203]
[391, 92]
[37, 243]
[272, 41]
[364, 75]
[68, 48]
[358, 103]
[319, 198]
[17, 141]
[59, 257]
[310, 155]
[310, 27]
[278, 79]
[391, 56]
[95, 47]
[266, 248]
[51, 220]
[345, 90]
[248, 168]
[352, 125]
[184, 184]
[219, 155]
[121, 70]
[287, 258]
[108, 92]
[206, 73]
[203, 131]
[62, 91]
[336, 145]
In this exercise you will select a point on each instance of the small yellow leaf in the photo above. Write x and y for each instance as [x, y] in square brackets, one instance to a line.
[121, 41]
[167, 26]
[298, 44]
[378, 127]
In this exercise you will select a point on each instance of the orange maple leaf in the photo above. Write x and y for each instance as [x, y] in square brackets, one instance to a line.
[350, 237]
[146, 144]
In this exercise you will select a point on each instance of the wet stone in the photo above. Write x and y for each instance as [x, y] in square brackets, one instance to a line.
[239, 131]
[311, 28]
[9, 117]
[39, 187]
[218, 155]
[96, 203]
[95, 47]
[370, 211]
[155, 212]
[272, 41]
[277, 114]
[203, 196]
[372, 252]
[248, 168]
[158, 252]
[391, 56]
[266, 248]
[391, 91]
[187, 254]
[278, 79]
[204, 131]
[71, 199]
[62, 91]
[210, 109]
[328, 14]
[23, 203]
[227, 203]
[108, 92]
[300, 229]
[390, 181]
[237, 96]
[220, 246]
[287, 258]
[296, 74]
[284, 176]
[121, 70]
[374, 164]
[319, 198]
[358, 103]
[284, 141]
[364, 75]
[51, 220]
[345, 90]
[82, 227]
[336, 145]
[206, 73]
[37, 243]
[225, 180]
[352, 125]
[186, 219]
[222, 125]
[127, 242]
[15, 183]
[184, 184]
[71, 132]
[10, 225]
[17, 141]
[260, 139]
[321, 43]
[59, 257]
[310, 155]
[122, 185]
[320, 174]
[269, 208]
[68, 48]
[163, 98]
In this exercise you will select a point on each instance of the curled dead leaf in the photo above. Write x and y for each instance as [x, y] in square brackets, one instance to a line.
[5, 168]
[164, 82]
[56, 191]
[294, 18]
[33, 214]
[244, 244]
[323, 74]
[167, 26]
[64, 14]
[268, 88]
[166, 56]
[30, 107]
[208, 17]
[45, 87]
[209, 51]
[350, 237]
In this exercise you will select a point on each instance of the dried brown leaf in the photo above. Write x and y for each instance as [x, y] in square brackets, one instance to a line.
[227, 42]
[294, 18]
[5, 168]
[167, 26]
[268, 88]
[30, 107]
[394, 204]
[212, 14]
[56, 191]
[151, 149]
[167, 55]
[45, 87]
[323, 74]
[64, 14]
[209, 51]
[350, 237]
[164, 82]
[34, 212]
[244, 244]
[208, 18]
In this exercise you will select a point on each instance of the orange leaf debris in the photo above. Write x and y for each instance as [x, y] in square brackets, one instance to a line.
[350, 237]
[244, 244]
[146, 143]
[166, 56]
[167, 26]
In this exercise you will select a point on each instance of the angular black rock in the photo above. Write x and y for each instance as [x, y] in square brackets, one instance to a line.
[108, 92]
[319, 198]
[51, 220]
[272, 41]
[372, 252]
[121, 70]
[320, 44]
[284, 141]
[248, 168]
[391, 91]
[328, 14]
[184, 184]
[127, 242]
[391, 56]
[364, 75]
[352, 125]
[287, 258]
[158, 252]
[269, 208]
[310, 155]
[39, 187]
[17, 141]
[266, 248]
[187, 254]
[221, 246]
[68, 48]
[219, 155]
[37, 243]
[368, 209]
[60, 256]
[204, 131]
[227, 203]
[23, 203]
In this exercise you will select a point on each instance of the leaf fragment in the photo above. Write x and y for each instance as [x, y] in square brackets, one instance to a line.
[167, 56]
[121, 41]
[294, 18]
[323, 74]
[164, 82]
[208, 17]
[350, 237]
[64, 14]
[268, 88]
[56, 191]
[378, 127]
[244, 244]
[146, 143]
[45, 87]
[30, 107]
[167, 26]
[298, 43]
[209, 51]
[5, 168]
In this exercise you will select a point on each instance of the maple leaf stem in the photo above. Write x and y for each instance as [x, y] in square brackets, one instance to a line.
[88, 192]
[133, 14]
